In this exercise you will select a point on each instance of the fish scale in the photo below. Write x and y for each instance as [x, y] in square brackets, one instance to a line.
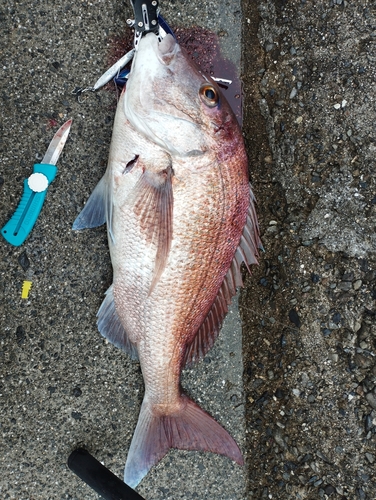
[181, 220]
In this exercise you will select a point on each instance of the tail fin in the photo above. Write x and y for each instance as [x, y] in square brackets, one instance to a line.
[187, 429]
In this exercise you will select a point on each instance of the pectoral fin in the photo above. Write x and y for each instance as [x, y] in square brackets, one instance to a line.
[153, 204]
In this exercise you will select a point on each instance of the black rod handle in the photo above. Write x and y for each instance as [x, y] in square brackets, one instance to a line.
[102, 480]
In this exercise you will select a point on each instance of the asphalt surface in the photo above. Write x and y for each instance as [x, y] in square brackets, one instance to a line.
[309, 310]
[62, 384]
[308, 423]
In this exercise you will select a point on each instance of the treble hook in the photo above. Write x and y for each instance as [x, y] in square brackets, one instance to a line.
[78, 91]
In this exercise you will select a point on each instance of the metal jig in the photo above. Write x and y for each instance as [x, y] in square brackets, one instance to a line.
[107, 76]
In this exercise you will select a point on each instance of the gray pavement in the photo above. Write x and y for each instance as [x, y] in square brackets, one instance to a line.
[62, 385]
[308, 311]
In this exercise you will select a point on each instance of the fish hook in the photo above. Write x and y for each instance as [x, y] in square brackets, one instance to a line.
[78, 91]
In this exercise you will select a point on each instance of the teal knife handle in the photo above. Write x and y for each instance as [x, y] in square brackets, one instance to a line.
[18, 228]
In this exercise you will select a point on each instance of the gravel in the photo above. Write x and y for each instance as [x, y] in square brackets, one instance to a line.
[310, 77]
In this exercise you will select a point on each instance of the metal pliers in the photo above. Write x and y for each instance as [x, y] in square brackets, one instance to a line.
[145, 20]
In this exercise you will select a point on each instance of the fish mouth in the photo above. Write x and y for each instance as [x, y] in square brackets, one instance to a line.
[166, 49]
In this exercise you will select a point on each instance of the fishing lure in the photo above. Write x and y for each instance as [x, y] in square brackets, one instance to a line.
[119, 71]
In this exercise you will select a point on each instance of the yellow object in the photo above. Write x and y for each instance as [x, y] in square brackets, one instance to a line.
[26, 289]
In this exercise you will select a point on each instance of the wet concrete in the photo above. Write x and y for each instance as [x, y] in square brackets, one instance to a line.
[309, 310]
[62, 385]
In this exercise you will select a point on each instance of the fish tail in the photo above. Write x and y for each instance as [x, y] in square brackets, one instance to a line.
[189, 428]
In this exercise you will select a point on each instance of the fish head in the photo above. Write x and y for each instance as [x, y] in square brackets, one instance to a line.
[173, 104]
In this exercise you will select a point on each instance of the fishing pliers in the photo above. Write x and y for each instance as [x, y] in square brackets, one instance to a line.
[146, 19]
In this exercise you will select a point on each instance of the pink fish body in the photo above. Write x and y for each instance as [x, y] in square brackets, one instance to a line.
[181, 220]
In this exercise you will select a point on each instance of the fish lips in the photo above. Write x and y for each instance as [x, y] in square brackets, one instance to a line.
[167, 49]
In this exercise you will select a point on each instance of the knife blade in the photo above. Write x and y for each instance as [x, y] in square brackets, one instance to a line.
[18, 228]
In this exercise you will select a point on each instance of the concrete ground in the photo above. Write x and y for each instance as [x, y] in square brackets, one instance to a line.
[308, 426]
[62, 385]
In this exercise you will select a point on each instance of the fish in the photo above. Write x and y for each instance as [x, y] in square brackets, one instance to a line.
[181, 220]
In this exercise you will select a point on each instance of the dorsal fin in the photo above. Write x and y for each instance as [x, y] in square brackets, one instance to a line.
[247, 252]
[209, 330]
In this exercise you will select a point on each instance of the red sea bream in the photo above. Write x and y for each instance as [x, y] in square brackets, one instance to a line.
[181, 220]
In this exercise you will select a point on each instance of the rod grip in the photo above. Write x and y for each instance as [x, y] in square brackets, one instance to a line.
[100, 479]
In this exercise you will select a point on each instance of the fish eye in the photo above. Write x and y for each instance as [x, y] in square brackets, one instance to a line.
[209, 95]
